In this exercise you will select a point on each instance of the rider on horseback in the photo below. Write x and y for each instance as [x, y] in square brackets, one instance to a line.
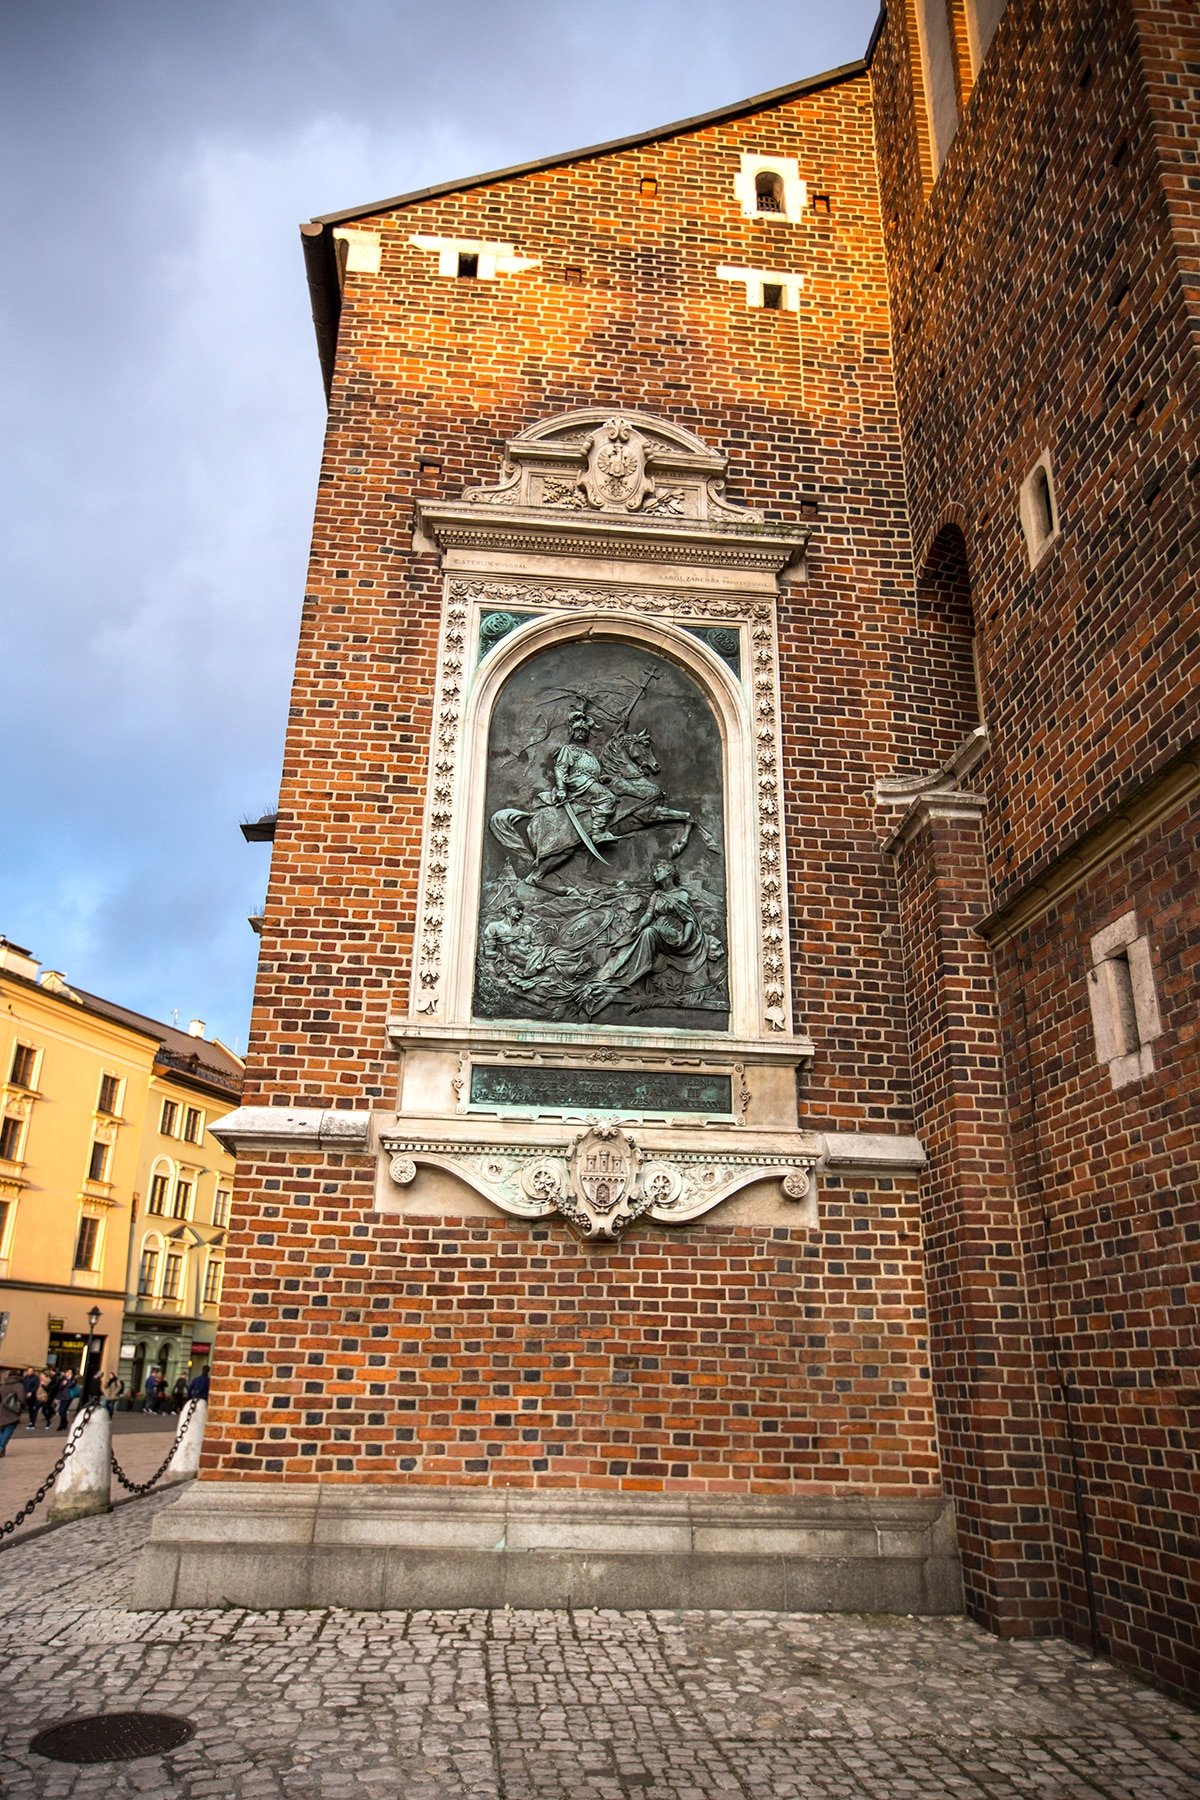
[577, 773]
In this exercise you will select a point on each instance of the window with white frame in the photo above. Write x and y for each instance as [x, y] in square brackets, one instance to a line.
[147, 1270]
[168, 1118]
[1125, 1015]
[213, 1276]
[770, 187]
[110, 1095]
[24, 1066]
[193, 1125]
[7, 1213]
[776, 290]
[172, 1274]
[221, 1200]
[87, 1243]
[160, 1187]
[11, 1129]
[183, 1199]
[474, 259]
[98, 1161]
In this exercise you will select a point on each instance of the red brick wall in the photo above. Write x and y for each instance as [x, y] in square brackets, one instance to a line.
[708, 1357]
[359, 1347]
[981, 1348]
[1111, 1220]
[1038, 303]
[1044, 296]
[450, 369]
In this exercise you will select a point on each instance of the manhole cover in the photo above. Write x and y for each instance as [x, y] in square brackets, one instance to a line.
[112, 1737]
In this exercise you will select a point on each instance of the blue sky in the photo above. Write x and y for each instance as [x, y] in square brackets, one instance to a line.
[164, 408]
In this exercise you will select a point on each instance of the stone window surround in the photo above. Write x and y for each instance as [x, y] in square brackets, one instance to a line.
[493, 258]
[1125, 1015]
[1038, 542]
[795, 191]
[754, 281]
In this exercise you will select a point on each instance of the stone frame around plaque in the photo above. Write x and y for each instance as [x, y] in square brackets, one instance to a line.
[746, 714]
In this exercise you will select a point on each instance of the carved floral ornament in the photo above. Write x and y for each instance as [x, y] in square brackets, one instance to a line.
[603, 1180]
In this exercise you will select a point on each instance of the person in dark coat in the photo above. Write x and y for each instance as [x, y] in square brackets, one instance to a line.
[31, 1381]
[68, 1390]
[198, 1385]
[12, 1405]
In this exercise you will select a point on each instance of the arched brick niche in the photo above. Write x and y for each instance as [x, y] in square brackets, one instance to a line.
[946, 702]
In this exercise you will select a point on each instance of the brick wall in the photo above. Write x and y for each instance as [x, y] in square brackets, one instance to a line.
[1038, 304]
[1043, 292]
[1108, 1192]
[443, 370]
[720, 1358]
[361, 1347]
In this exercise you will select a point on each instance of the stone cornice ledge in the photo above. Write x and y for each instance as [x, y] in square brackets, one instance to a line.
[300, 1128]
[579, 1043]
[1162, 795]
[453, 525]
[871, 1153]
[961, 808]
[317, 1128]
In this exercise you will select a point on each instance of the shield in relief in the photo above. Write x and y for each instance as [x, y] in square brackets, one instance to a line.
[603, 1168]
[616, 467]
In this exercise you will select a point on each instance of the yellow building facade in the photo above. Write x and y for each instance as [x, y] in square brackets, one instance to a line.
[114, 1195]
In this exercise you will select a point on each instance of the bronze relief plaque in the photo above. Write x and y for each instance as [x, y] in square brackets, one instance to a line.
[603, 878]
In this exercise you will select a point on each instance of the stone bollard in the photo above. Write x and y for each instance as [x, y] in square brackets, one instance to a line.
[186, 1461]
[84, 1482]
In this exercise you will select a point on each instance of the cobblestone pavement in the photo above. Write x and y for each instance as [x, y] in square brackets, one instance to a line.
[546, 1706]
[140, 1442]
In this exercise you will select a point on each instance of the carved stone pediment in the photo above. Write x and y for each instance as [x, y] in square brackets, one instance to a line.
[614, 463]
[585, 475]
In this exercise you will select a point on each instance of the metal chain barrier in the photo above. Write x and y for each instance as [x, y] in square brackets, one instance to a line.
[143, 1487]
[10, 1525]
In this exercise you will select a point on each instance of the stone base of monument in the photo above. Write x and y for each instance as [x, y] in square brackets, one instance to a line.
[371, 1548]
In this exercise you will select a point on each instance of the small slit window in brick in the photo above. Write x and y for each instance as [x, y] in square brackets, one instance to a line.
[1125, 1015]
[468, 265]
[1039, 509]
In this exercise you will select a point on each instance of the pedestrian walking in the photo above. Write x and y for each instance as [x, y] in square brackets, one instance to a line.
[68, 1391]
[198, 1385]
[31, 1381]
[12, 1405]
[153, 1386]
[179, 1394]
[48, 1395]
[111, 1389]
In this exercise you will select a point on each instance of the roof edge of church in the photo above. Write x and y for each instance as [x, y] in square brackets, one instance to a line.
[738, 109]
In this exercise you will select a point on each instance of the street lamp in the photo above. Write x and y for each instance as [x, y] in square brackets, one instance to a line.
[93, 1321]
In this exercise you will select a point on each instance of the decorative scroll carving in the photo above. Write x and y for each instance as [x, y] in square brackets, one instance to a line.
[604, 1180]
